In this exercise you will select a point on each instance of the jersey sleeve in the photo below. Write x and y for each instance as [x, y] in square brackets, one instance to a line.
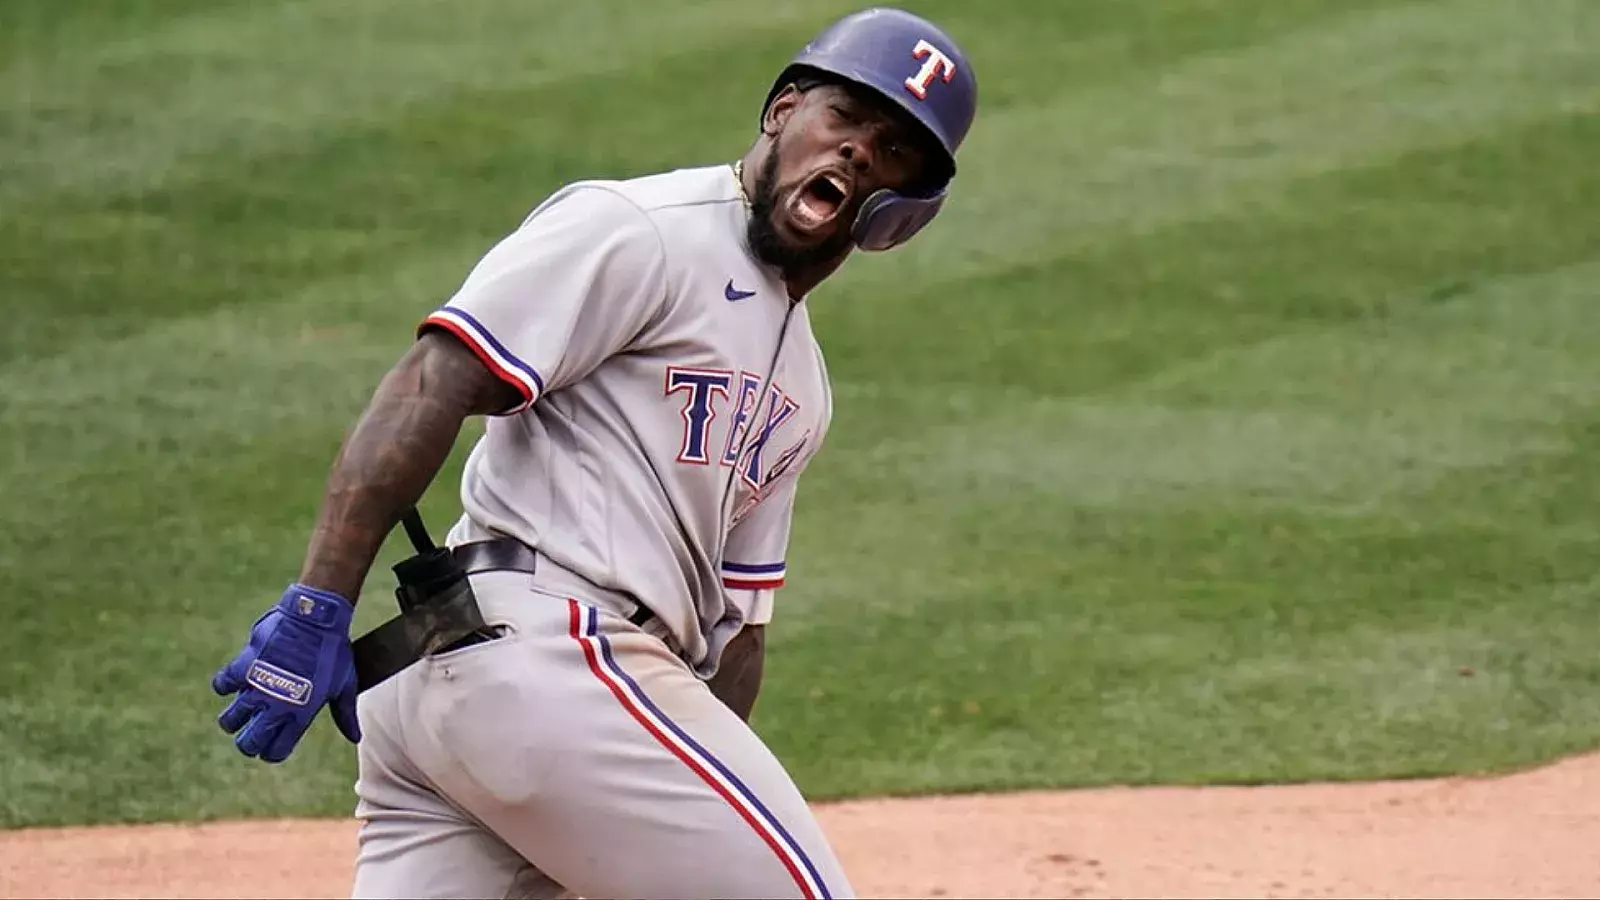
[575, 284]
[754, 563]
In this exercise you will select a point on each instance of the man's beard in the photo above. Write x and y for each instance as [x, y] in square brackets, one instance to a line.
[767, 244]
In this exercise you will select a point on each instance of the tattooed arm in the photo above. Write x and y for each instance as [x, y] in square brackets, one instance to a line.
[394, 453]
[738, 677]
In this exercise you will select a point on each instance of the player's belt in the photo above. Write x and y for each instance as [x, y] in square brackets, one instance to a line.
[497, 555]
[438, 611]
[512, 555]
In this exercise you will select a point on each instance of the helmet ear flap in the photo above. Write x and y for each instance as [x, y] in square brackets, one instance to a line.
[888, 219]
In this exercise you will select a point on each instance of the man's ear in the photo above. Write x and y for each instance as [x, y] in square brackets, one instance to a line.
[783, 106]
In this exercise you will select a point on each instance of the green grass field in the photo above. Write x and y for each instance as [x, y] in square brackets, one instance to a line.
[1236, 422]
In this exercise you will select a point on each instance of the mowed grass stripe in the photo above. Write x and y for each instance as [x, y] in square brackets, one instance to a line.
[292, 69]
[1343, 417]
[255, 220]
[275, 75]
[1380, 414]
[151, 512]
[142, 230]
[1138, 648]
[41, 33]
[1193, 708]
[74, 273]
[1396, 445]
[1231, 130]
[141, 246]
[1199, 603]
[1030, 53]
[264, 219]
[122, 423]
[1161, 309]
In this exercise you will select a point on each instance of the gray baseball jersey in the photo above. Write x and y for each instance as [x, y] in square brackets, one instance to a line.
[671, 396]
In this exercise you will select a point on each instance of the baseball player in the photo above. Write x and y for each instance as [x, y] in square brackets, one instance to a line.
[643, 354]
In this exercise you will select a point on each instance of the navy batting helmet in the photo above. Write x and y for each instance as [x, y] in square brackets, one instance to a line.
[915, 66]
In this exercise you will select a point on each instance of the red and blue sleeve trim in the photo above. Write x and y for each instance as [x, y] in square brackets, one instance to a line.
[501, 362]
[754, 576]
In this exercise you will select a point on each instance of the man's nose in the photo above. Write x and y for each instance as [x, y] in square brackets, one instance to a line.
[858, 153]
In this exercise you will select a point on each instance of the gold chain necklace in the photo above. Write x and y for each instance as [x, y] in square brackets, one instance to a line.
[738, 178]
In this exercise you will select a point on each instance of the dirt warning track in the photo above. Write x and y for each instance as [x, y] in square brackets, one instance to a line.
[1532, 834]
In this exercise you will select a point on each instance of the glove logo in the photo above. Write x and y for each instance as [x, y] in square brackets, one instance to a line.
[307, 606]
[275, 682]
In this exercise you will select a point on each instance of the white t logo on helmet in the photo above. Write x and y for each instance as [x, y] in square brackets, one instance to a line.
[937, 64]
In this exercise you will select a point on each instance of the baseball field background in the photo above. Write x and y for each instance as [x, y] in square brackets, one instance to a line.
[1238, 421]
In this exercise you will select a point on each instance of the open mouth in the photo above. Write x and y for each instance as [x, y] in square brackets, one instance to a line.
[818, 203]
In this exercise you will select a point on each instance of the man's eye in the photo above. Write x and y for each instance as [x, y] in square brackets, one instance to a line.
[843, 113]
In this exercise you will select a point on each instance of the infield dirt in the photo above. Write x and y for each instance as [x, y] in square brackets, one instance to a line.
[1531, 834]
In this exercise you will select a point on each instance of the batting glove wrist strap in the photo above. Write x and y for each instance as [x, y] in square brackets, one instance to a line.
[317, 608]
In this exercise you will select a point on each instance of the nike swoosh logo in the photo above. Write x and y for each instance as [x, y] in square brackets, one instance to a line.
[734, 294]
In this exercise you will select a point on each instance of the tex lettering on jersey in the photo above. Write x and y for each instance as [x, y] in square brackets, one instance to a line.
[706, 393]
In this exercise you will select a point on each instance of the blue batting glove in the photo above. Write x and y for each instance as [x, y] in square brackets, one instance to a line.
[297, 660]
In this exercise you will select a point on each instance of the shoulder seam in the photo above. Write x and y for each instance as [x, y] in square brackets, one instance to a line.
[661, 242]
[611, 188]
[654, 229]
